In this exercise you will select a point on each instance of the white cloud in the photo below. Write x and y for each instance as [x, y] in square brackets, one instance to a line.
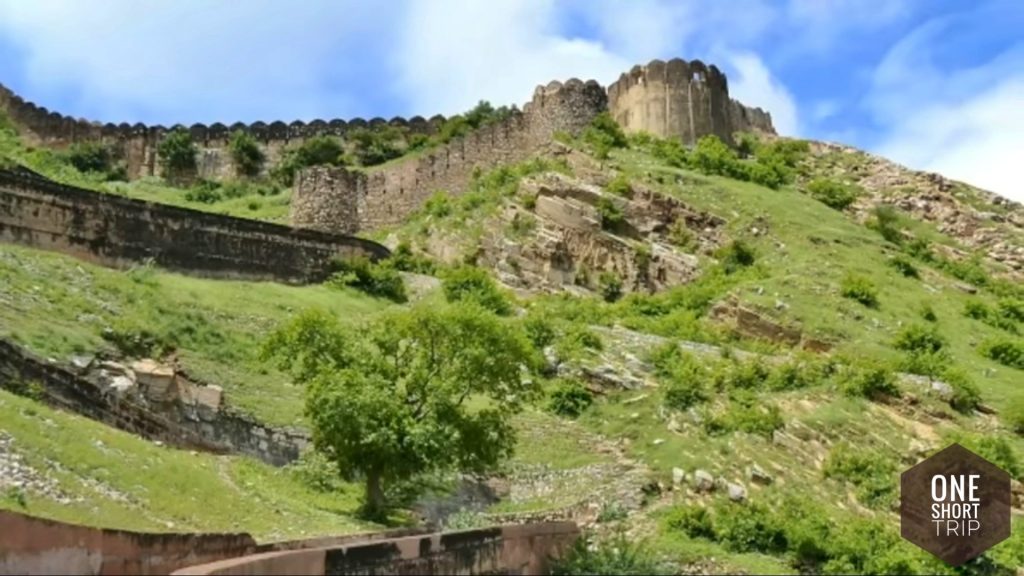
[754, 85]
[188, 60]
[824, 109]
[979, 141]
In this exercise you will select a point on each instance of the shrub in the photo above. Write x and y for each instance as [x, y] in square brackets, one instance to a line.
[742, 375]
[753, 416]
[403, 258]
[694, 520]
[90, 157]
[681, 237]
[619, 555]
[904, 266]
[177, 152]
[620, 186]
[736, 255]
[204, 192]
[439, 205]
[988, 315]
[870, 382]
[869, 471]
[610, 285]
[570, 399]
[379, 279]
[604, 134]
[966, 394]
[1012, 309]
[749, 527]
[686, 380]
[577, 339]
[927, 363]
[374, 146]
[887, 222]
[317, 471]
[859, 288]
[795, 375]
[712, 156]
[611, 214]
[246, 154]
[469, 283]
[317, 151]
[928, 313]
[919, 339]
[1006, 352]
[539, 331]
[831, 193]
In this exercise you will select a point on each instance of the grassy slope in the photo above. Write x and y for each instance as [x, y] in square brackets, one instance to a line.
[127, 482]
[57, 306]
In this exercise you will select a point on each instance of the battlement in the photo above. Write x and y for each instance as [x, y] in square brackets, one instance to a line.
[680, 99]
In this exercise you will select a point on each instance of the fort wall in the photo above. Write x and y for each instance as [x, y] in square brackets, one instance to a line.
[346, 201]
[680, 99]
[118, 231]
[137, 142]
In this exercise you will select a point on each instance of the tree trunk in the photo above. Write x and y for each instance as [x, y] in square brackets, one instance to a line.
[374, 494]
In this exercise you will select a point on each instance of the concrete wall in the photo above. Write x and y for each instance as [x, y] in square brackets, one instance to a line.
[343, 201]
[680, 99]
[137, 143]
[117, 231]
[517, 549]
[177, 424]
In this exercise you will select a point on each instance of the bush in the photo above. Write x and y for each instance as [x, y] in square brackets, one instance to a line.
[177, 152]
[374, 146]
[681, 237]
[736, 255]
[928, 313]
[831, 193]
[577, 339]
[870, 382]
[620, 186]
[619, 555]
[859, 288]
[686, 382]
[694, 520]
[1006, 352]
[379, 279]
[317, 151]
[795, 375]
[604, 134]
[403, 258]
[1012, 309]
[887, 222]
[611, 214]
[204, 192]
[246, 154]
[749, 527]
[712, 156]
[570, 399]
[753, 416]
[539, 331]
[904, 266]
[872, 473]
[610, 285]
[317, 471]
[90, 157]
[988, 315]
[919, 339]
[469, 283]
[743, 375]
[966, 394]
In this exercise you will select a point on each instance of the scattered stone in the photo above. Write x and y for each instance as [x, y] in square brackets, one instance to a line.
[634, 399]
[82, 362]
[703, 481]
[942, 389]
[737, 493]
[759, 476]
[678, 476]
[966, 288]
[658, 441]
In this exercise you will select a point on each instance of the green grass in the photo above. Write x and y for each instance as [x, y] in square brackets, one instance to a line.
[123, 481]
[58, 306]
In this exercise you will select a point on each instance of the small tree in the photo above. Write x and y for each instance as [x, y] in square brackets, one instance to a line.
[389, 401]
[246, 154]
[376, 145]
[177, 152]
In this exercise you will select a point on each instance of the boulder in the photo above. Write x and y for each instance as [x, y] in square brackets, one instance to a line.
[156, 380]
[122, 386]
[759, 476]
[737, 493]
[703, 481]
[678, 475]
[209, 397]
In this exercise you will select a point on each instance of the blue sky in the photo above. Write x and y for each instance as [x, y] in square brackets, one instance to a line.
[934, 84]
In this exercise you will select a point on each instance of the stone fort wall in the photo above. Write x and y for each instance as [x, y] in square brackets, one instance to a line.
[137, 142]
[338, 199]
[117, 231]
[683, 100]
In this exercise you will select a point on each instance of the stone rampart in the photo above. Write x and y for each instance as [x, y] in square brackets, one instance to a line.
[137, 143]
[680, 99]
[118, 231]
[345, 201]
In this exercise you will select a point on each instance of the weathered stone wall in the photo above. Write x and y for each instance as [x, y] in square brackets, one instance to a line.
[30, 545]
[518, 549]
[138, 143]
[344, 201]
[195, 425]
[113, 230]
[680, 99]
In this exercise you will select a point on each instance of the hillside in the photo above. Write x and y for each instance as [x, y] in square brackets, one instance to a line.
[743, 351]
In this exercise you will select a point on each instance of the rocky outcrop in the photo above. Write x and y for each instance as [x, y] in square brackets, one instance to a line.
[749, 322]
[151, 399]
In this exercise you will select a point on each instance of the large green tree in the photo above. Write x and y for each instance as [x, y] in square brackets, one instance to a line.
[431, 388]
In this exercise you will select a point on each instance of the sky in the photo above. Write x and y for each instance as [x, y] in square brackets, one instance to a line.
[933, 84]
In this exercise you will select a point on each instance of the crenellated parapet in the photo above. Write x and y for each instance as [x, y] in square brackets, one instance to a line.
[680, 99]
